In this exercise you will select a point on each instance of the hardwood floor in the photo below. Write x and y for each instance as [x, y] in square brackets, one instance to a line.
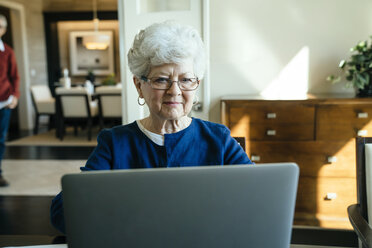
[26, 215]
[48, 152]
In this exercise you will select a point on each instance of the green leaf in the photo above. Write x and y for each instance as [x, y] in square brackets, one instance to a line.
[330, 78]
[362, 44]
[366, 76]
[358, 58]
[333, 79]
[361, 80]
[349, 77]
[342, 63]
[350, 63]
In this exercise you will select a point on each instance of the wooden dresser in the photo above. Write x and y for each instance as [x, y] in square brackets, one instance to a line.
[318, 133]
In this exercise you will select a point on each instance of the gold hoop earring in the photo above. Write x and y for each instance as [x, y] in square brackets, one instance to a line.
[196, 100]
[139, 101]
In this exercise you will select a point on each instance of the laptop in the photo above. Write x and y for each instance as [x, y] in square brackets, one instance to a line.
[207, 206]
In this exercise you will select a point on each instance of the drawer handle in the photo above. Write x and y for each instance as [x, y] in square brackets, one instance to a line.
[271, 132]
[362, 132]
[332, 159]
[255, 158]
[331, 196]
[362, 115]
[271, 115]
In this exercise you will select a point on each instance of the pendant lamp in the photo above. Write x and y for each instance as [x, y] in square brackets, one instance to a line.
[96, 41]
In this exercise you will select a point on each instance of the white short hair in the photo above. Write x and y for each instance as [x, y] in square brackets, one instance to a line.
[2, 17]
[163, 43]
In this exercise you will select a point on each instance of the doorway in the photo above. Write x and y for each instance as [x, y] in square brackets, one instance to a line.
[51, 20]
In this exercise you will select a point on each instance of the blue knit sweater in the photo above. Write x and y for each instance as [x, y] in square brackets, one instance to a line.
[127, 147]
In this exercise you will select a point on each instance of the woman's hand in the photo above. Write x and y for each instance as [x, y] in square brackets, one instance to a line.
[14, 103]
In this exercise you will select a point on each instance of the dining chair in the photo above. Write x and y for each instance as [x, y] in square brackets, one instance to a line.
[109, 104]
[360, 214]
[75, 107]
[44, 104]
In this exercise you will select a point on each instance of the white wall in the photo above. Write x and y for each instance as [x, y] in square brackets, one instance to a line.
[282, 46]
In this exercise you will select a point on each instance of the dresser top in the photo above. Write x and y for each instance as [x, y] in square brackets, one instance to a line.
[326, 98]
[300, 97]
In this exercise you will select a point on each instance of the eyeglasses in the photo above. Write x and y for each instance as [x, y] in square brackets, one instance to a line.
[162, 83]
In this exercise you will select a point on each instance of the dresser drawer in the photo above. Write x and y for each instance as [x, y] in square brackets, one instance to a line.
[275, 131]
[315, 159]
[272, 112]
[325, 196]
[342, 122]
[267, 121]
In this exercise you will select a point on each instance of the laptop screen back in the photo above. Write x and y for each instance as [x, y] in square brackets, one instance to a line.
[211, 206]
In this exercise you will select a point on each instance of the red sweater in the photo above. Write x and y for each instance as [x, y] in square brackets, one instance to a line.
[9, 78]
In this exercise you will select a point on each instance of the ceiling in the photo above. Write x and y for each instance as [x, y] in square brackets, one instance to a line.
[81, 5]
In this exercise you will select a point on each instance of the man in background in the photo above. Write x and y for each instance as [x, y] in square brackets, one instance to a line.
[9, 90]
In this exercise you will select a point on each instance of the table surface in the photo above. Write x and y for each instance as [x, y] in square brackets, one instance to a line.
[43, 246]
[31, 240]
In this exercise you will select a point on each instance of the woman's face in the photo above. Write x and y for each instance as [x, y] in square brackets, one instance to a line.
[171, 104]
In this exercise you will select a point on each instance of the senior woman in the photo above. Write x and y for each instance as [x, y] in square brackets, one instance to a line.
[167, 61]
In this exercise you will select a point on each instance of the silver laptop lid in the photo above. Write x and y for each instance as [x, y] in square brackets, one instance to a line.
[211, 206]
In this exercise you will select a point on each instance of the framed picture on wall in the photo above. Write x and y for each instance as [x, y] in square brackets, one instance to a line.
[91, 51]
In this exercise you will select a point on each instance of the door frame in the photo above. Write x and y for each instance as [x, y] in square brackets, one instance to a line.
[18, 19]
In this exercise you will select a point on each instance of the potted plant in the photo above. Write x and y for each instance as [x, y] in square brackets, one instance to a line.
[358, 69]
[109, 80]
